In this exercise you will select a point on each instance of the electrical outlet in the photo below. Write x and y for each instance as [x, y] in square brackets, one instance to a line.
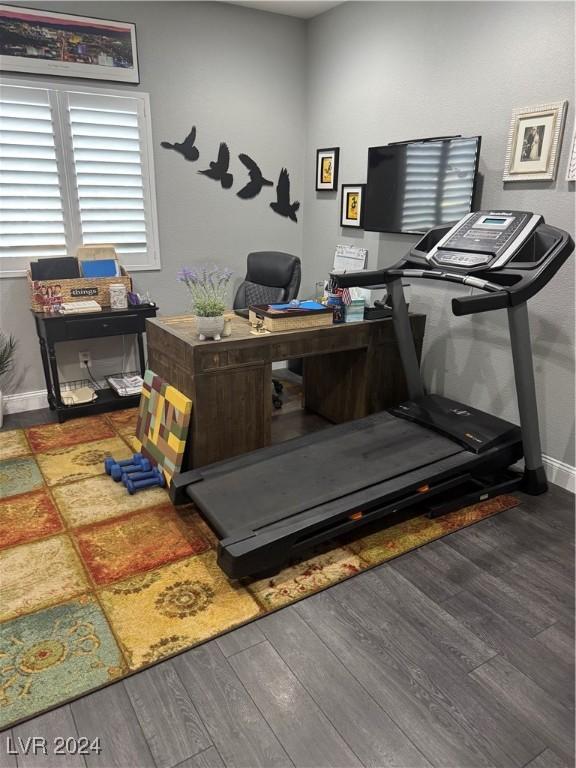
[85, 359]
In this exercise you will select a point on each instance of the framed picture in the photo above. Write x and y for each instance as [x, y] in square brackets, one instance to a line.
[351, 205]
[534, 142]
[327, 169]
[50, 43]
[571, 170]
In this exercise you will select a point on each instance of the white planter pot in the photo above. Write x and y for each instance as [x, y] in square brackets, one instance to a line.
[210, 327]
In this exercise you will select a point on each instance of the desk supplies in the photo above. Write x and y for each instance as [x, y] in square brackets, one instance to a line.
[118, 296]
[79, 396]
[125, 385]
[78, 307]
[284, 317]
[354, 311]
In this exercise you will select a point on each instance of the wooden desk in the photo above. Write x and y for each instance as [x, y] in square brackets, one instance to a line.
[350, 371]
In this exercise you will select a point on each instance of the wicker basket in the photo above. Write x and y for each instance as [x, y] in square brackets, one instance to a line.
[44, 294]
[290, 322]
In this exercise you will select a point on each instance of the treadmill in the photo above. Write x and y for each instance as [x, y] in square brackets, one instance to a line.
[427, 454]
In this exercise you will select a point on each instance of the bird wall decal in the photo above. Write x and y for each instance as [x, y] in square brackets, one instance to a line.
[186, 148]
[219, 169]
[283, 206]
[257, 180]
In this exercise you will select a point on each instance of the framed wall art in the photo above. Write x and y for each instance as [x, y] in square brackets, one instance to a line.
[534, 142]
[327, 169]
[50, 43]
[571, 169]
[351, 205]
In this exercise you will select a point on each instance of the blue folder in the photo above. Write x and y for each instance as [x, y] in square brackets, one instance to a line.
[307, 305]
[100, 268]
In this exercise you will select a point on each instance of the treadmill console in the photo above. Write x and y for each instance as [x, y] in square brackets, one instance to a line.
[483, 240]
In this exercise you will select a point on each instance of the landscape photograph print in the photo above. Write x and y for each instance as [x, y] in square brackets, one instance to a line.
[49, 43]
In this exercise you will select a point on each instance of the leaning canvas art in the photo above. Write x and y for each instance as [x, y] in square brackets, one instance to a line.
[163, 420]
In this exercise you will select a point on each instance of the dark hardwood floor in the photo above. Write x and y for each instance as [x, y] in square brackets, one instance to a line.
[457, 655]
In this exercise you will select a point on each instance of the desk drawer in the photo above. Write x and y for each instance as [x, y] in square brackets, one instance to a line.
[93, 327]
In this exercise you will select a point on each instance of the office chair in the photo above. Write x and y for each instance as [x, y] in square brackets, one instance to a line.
[272, 277]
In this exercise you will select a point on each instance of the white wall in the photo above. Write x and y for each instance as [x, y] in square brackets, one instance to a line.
[381, 72]
[239, 76]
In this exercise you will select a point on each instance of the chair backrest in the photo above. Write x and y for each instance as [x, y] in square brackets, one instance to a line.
[271, 276]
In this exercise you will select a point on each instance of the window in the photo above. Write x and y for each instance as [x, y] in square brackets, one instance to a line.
[75, 168]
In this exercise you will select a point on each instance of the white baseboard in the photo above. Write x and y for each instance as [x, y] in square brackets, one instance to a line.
[560, 473]
[26, 401]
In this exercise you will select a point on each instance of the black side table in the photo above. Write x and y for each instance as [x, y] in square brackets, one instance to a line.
[53, 328]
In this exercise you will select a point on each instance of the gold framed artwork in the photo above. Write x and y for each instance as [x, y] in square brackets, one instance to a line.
[327, 169]
[534, 142]
[571, 168]
[352, 205]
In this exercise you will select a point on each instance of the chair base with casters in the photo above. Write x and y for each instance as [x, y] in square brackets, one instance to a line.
[272, 277]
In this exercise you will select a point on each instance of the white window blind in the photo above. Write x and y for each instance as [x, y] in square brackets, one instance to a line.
[438, 186]
[75, 168]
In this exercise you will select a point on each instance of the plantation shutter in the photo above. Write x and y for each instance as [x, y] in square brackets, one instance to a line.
[108, 168]
[31, 195]
[75, 168]
[437, 183]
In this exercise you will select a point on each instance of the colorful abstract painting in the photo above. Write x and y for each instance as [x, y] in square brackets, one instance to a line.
[163, 420]
[96, 584]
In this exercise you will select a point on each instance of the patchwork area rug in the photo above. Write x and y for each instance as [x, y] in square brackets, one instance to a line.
[96, 584]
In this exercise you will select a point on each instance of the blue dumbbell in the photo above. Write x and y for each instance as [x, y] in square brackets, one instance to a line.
[111, 462]
[155, 478]
[118, 472]
[138, 473]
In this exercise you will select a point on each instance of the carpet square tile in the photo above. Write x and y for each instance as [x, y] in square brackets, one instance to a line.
[48, 437]
[398, 539]
[174, 607]
[54, 655]
[77, 462]
[39, 574]
[27, 517]
[305, 578]
[115, 550]
[100, 498]
[19, 476]
[13, 443]
[124, 422]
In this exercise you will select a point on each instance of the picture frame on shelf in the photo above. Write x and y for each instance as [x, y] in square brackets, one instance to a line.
[571, 168]
[327, 161]
[352, 205]
[66, 45]
[534, 142]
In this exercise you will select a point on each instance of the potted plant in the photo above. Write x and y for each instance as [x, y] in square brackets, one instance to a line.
[208, 288]
[7, 348]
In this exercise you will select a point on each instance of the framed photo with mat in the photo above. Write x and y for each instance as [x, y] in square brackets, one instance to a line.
[327, 169]
[534, 142]
[352, 205]
[42, 42]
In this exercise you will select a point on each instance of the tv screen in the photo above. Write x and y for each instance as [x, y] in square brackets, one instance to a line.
[421, 184]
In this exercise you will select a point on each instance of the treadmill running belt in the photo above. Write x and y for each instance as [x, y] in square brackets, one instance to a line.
[343, 461]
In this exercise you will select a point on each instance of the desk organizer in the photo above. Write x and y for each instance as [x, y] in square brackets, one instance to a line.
[293, 320]
[44, 294]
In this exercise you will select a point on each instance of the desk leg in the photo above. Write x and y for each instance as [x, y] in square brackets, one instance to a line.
[47, 377]
[141, 355]
[231, 414]
[55, 378]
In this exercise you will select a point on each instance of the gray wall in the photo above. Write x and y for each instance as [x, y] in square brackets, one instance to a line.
[239, 76]
[381, 72]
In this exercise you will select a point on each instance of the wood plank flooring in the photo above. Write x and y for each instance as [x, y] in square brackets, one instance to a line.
[457, 655]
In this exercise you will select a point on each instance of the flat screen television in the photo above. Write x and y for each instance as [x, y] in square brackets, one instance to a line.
[417, 185]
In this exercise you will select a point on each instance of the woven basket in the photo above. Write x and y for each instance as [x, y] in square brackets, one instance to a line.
[44, 294]
[287, 323]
